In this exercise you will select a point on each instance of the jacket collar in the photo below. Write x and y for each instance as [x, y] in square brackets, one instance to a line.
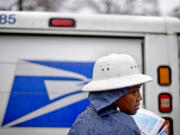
[103, 101]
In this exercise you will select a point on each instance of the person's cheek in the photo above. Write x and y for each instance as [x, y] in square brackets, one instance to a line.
[133, 104]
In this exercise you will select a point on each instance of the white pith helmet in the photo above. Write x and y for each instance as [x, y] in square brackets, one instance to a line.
[115, 71]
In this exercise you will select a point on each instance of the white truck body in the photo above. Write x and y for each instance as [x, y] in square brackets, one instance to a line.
[43, 68]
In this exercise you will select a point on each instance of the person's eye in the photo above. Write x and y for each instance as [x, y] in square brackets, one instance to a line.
[135, 92]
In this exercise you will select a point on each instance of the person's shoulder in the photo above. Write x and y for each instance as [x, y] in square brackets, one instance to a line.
[121, 117]
[84, 116]
[79, 123]
[125, 122]
[128, 130]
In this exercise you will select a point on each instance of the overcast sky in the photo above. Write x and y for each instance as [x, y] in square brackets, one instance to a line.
[166, 5]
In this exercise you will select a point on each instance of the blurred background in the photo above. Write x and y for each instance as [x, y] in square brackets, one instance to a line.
[128, 7]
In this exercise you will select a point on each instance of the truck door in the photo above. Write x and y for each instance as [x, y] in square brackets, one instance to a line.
[41, 77]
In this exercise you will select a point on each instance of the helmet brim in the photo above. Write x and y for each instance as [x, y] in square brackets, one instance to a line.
[116, 83]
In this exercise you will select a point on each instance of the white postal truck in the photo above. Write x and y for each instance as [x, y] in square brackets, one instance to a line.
[46, 58]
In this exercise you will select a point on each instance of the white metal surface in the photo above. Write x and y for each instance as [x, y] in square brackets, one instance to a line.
[65, 48]
[34, 131]
[162, 50]
[100, 23]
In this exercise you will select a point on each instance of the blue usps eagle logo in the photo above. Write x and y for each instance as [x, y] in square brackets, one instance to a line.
[47, 93]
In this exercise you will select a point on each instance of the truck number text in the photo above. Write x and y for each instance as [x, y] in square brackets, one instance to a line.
[7, 19]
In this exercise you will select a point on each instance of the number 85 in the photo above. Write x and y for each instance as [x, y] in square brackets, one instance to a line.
[4, 19]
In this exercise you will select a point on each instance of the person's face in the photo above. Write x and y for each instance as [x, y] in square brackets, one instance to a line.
[130, 102]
